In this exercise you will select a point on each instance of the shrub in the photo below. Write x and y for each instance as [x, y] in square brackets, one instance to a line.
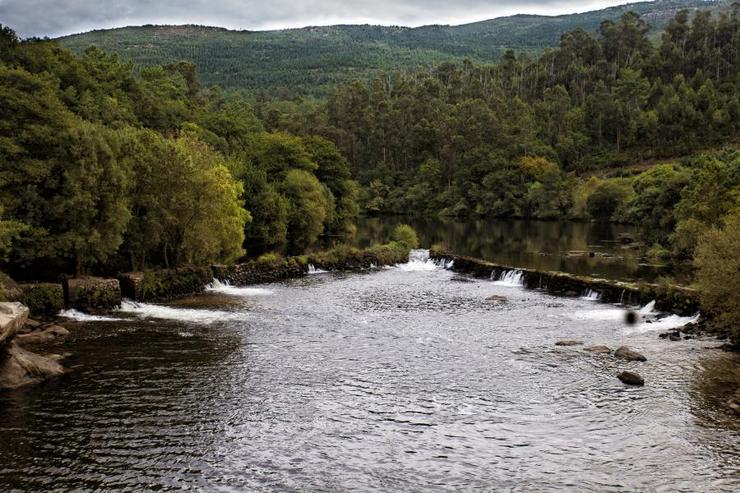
[403, 233]
[718, 263]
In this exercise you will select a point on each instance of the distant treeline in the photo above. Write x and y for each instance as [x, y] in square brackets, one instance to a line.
[101, 169]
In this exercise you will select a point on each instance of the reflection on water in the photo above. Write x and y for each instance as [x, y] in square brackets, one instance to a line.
[402, 379]
[546, 245]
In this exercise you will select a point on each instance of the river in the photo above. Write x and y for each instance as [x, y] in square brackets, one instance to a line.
[544, 245]
[399, 379]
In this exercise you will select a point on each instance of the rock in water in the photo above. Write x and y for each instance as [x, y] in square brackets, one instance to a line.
[20, 367]
[631, 378]
[629, 354]
[50, 333]
[569, 343]
[497, 298]
[598, 350]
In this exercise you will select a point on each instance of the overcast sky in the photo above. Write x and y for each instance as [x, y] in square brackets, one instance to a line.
[59, 17]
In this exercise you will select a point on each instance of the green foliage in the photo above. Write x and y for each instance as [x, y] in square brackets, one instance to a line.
[657, 192]
[403, 233]
[43, 299]
[608, 198]
[309, 205]
[718, 263]
[712, 192]
[104, 169]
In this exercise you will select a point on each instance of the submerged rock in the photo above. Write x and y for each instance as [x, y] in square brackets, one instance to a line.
[569, 343]
[631, 378]
[19, 367]
[598, 350]
[497, 298]
[48, 334]
[629, 354]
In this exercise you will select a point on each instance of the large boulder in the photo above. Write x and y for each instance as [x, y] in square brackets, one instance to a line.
[42, 298]
[629, 354]
[93, 294]
[12, 317]
[19, 367]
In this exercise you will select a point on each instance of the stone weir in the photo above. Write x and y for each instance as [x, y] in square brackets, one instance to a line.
[668, 298]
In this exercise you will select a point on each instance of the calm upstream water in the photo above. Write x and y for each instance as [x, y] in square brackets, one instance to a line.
[545, 245]
[401, 379]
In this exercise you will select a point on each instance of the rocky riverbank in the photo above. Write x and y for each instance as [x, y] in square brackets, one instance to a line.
[18, 365]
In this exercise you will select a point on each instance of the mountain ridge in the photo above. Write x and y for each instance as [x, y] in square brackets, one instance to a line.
[310, 59]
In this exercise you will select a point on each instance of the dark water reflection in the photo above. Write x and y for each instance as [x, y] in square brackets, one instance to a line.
[398, 380]
[548, 245]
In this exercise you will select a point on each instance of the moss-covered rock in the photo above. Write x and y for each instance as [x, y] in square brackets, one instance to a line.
[165, 284]
[92, 294]
[8, 288]
[43, 299]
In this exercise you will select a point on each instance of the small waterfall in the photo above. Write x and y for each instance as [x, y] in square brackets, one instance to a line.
[419, 260]
[648, 309]
[313, 270]
[591, 295]
[514, 278]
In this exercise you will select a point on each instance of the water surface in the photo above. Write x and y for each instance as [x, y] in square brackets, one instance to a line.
[402, 379]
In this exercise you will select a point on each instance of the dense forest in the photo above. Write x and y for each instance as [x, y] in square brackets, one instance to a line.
[310, 61]
[553, 137]
[103, 169]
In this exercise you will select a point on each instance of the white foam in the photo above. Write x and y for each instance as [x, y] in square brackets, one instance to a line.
[591, 295]
[511, 278]
[419, 261]
[314, 270]
[146, 310]
[225, 288]
[648, 309]
[666, 323]
[607, 314]
[85, 317]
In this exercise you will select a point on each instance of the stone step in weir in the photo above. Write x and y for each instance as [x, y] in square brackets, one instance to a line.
[675, 299]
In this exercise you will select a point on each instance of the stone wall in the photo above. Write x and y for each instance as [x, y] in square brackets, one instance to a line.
[164, 284]
[92, 294]
[676, 299]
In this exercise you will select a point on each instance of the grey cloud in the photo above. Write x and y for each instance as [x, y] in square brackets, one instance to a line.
[58, 17]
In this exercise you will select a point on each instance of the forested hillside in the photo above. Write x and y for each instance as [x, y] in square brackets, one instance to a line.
[310, 60]
[521, 138]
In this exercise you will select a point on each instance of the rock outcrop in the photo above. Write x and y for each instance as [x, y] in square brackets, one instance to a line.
[19, 367]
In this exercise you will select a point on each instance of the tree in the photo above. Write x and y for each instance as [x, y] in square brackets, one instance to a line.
[309, 204]
[718, 263]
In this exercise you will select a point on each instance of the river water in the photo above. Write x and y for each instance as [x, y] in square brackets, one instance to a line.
[399, 379]
[583, 248]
